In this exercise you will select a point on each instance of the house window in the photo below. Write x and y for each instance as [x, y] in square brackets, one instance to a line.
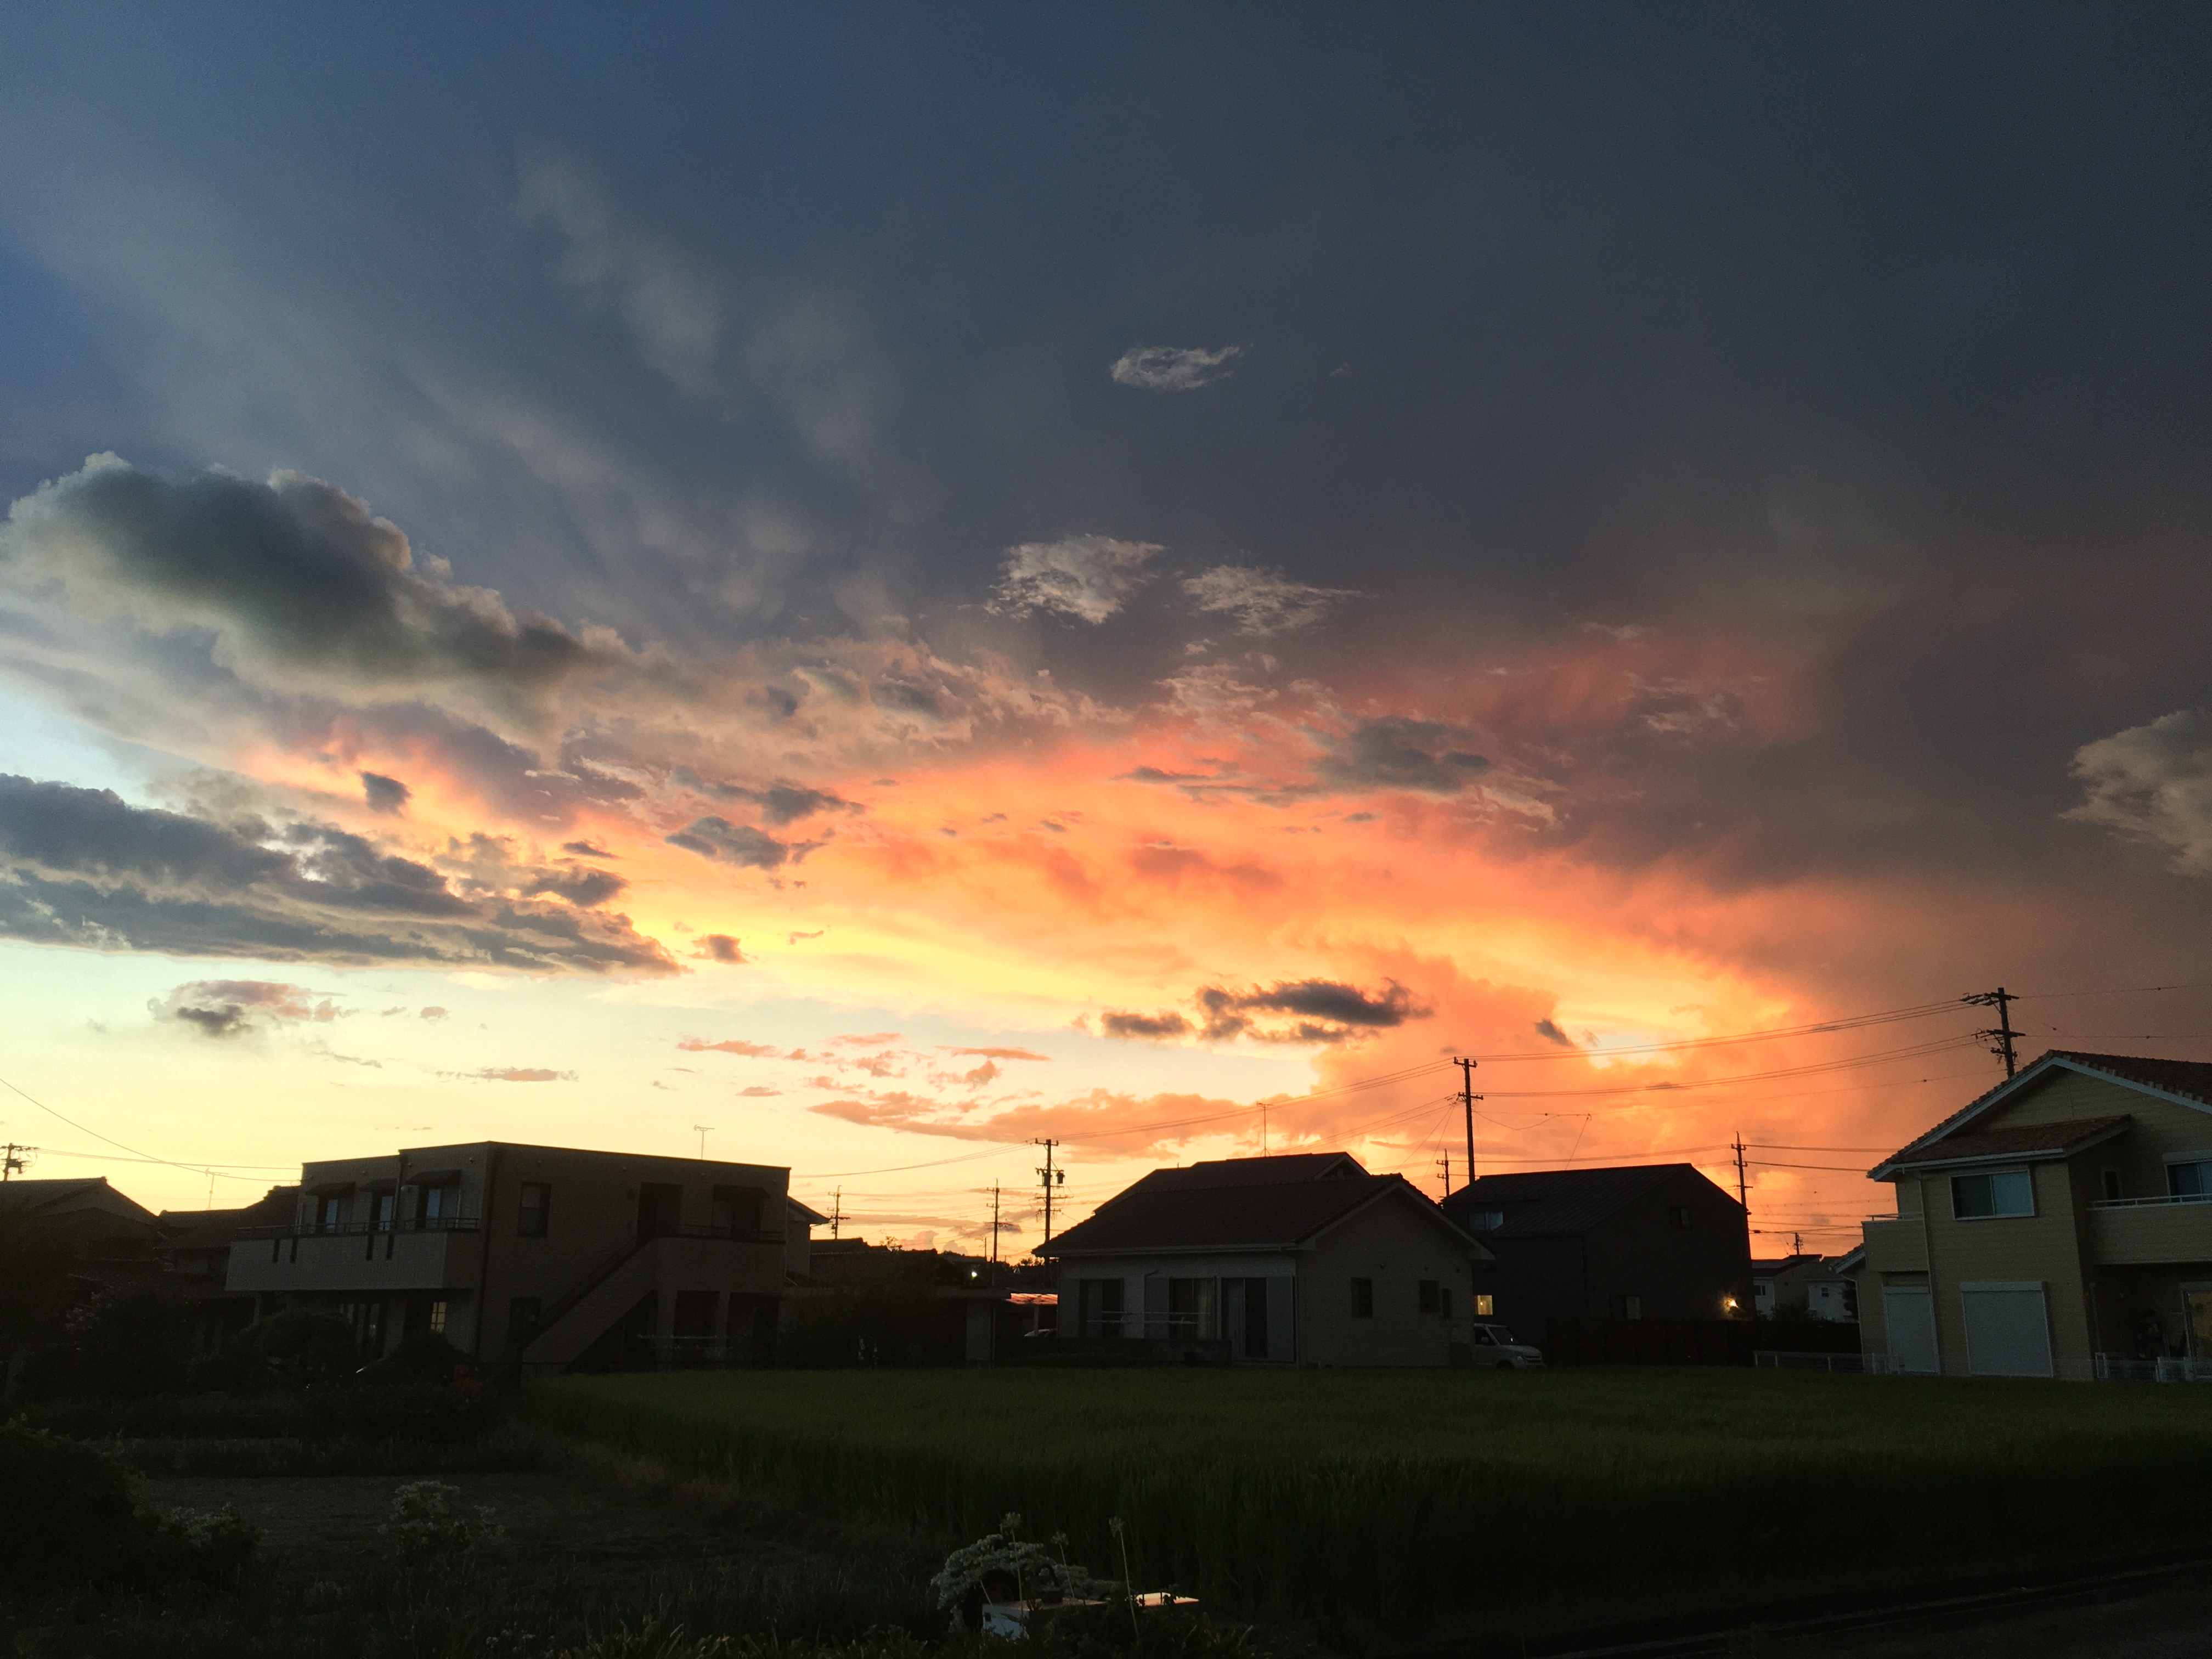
[1363, 1299]
[1628, 1307]
[531, 1216]
[2191, 1179]
[436, 1321]
[1099, 1306]
[2114, 1190]
[732, 1211]
[333, 1215]
[1428, 1292]
[522, 1313]
[1485, 1307]
[1485, 1221]
[1678, 1217]
[2001, 1193]
[383, 1211]
[437, 1206]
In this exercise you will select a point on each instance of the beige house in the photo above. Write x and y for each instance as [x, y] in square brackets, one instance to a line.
[535, 1257]
[2061, 1225]
[1305, 1260]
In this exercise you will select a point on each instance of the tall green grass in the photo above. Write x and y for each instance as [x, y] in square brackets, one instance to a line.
[1405, 1495]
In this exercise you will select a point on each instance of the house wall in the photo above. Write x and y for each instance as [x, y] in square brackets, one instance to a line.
[1673, 1274]
[1534, 1281]
[1134, 1271]
[2042, 1247]
[1396, 1248]
[478, 1272]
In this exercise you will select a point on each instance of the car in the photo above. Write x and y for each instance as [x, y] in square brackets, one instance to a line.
[1496, 1349]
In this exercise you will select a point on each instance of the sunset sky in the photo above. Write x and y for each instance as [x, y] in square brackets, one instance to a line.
[893, 581]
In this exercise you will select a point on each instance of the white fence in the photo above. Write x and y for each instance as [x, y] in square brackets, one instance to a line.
[2114, 1368]
[1852, 1364]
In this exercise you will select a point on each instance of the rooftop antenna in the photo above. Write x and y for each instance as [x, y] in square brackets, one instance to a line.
[703, 1128]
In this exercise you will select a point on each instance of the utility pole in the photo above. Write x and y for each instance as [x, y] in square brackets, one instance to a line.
[1467, 1097]
[995, 1232]
[2002, 1000]
[1445, 1164]
[1743, 1190]
[1052, 1178]
[836, 1210]
[11, 1161]
[703, 1128]
[1796, 1243]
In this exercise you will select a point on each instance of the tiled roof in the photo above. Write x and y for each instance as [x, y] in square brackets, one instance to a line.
[2192, 1078]
[1175, 1216]
[213, 1229]
[1554, 1201]
[2028, 1140]
[1288, 1171]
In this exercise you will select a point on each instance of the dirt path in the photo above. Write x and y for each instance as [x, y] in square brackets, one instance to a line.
[322, 1524]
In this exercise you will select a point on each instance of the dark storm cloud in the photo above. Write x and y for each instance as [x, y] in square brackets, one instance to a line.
[300, 586]
[231, 1007]
[1320, 1010]
[83, 867]
[1119, 1023]
[721, 947]
[1550, 1032]
[781, 803]
[1397, 753]
[717, 837]
[384, 795]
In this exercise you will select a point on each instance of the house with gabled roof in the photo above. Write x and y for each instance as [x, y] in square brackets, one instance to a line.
[2053, 1226]
[1635, 1241]
[1302, 1260]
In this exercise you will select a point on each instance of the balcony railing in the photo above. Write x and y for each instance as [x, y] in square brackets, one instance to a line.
[2151, 1203]
[428, 1224]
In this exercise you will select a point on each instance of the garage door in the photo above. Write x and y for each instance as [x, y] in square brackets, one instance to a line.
[2008, 1329]
[1908, 1314]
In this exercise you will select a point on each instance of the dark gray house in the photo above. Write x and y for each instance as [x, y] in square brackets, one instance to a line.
[1649, 1241]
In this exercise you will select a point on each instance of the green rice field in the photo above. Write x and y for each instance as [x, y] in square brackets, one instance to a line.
[1405, 1496]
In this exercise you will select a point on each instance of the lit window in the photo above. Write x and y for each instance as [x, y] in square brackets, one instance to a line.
[2003, 1192]
[2190, 1180]
[438, 1317]
[1486, 1306]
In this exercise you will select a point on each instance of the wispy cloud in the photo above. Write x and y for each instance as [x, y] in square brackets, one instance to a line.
[1262, 602]
[1175, 368]
[1087, 577]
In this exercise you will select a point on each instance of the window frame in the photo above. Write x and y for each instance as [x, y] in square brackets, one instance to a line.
[526, 1213]
[1363, 1297]
[2199, 1160]
[1682, 1218]
[2026, 1172]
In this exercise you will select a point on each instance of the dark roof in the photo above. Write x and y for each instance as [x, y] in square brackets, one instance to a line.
[1288, 1171]
[2027, 1141]
[1236, 1213]
[213, 1230]
[64, 1197]
[2192, 1078]
[1555, 1202]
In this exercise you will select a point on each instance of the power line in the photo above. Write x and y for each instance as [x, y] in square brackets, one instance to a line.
[86, 1128]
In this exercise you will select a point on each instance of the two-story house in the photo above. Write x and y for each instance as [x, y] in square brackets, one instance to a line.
[2060, 1223]
[1302, 1260]
[1638, 1240]
[536, 1258]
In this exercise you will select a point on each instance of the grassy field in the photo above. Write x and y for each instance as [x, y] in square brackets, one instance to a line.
[1505, 1498]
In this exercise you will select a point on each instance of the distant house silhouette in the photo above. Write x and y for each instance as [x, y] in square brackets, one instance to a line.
[1645, 1241]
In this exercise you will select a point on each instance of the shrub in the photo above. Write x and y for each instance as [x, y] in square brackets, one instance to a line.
[213, 1544]
[68, 1516]
[429, 1519]
[297, 1348]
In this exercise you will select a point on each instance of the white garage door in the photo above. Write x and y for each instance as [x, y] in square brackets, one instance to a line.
[2008, 1329]
[1908, 1314]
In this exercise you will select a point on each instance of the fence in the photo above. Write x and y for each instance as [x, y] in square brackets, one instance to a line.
[1685, 1341]
[1845, 1364]
[2116, 1368]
